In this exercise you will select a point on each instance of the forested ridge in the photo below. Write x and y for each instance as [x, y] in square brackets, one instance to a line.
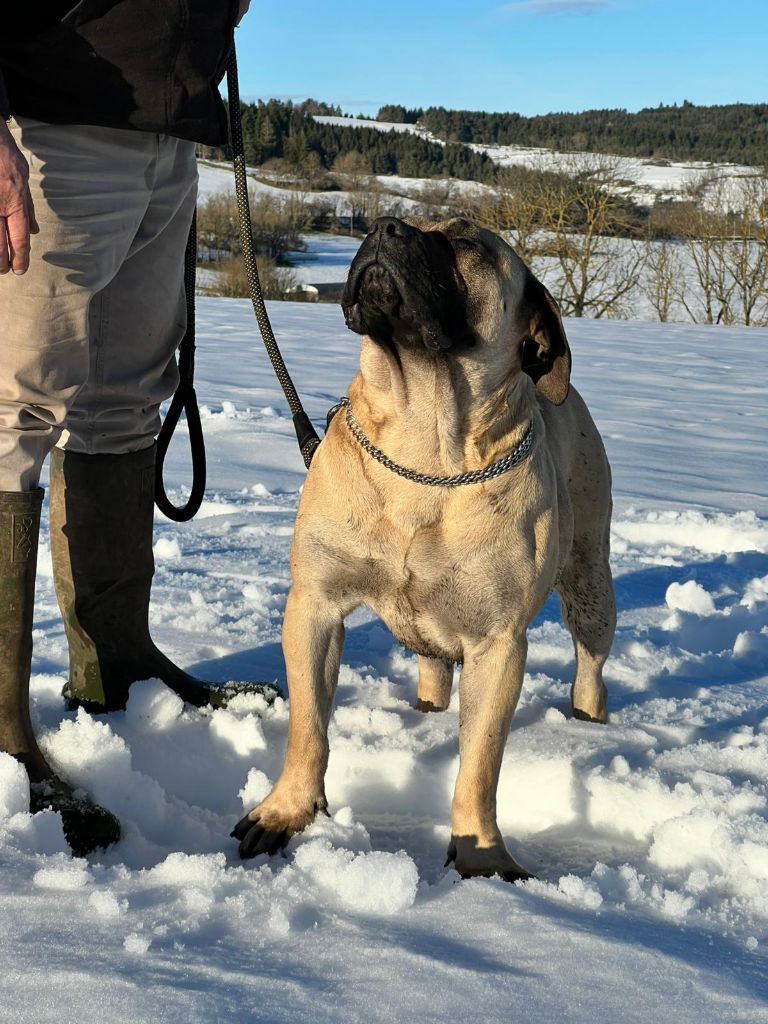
[736, 132]
[287, 131]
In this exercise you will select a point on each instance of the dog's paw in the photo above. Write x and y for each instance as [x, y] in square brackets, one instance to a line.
[471, 861]
[267, 828]
[256, 838]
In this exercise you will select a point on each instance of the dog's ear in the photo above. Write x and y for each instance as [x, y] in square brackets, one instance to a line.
[546, 355]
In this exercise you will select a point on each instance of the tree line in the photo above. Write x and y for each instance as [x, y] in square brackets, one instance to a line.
[736, 132]
[277, 130]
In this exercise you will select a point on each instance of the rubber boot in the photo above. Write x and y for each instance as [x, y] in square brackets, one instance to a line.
[102, 510]
[86, 825]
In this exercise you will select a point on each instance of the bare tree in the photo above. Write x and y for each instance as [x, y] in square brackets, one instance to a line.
[277, 223]
[312, 170]
[749, 252]
[661, 273]
[584, 214]
[515, 208]
[229, 278]
[438, 199]
[353, 171]
[706, 228]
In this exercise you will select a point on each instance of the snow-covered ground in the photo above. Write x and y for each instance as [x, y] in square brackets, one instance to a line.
[649, 836]
[216, 179]
[327, 258]
[379, 126]
[651, 179]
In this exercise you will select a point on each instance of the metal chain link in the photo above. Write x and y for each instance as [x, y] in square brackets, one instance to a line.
[477, 476]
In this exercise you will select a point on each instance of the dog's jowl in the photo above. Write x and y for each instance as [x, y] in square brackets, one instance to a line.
[461, 483]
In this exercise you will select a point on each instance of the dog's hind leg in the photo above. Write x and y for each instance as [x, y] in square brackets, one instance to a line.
[313, 637]
[586, 598]
[435, 684]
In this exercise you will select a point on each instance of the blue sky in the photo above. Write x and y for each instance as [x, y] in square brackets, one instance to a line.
[532, 56]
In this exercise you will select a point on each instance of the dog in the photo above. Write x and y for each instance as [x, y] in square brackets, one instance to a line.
[462, 481]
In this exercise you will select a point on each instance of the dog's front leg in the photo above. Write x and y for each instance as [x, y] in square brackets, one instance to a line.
[489, 688]
[313, 636]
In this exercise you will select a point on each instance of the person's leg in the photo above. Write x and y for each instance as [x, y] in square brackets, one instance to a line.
[138, 319]
[102, 475]
[88, 218]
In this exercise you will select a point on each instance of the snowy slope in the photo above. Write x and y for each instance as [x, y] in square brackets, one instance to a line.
[215, 179]
[649, 836]
[660, 179]
[378, 126]
[653, 179]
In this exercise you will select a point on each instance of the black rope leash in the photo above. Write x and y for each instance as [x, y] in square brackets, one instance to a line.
[305, 432]
[185, 399]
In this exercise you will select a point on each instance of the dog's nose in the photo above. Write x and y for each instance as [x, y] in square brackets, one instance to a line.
[392, 227]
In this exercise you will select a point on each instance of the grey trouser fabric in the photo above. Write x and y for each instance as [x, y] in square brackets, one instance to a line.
[88, 335]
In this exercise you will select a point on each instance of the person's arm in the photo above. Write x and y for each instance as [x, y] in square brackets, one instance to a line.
[17, 212]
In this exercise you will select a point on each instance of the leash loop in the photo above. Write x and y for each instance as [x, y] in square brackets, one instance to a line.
[184, 400]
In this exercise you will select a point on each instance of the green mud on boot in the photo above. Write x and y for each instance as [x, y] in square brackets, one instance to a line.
[86, 825]
[102, 511]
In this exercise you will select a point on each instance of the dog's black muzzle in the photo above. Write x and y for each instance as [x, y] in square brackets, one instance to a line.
[404, 287]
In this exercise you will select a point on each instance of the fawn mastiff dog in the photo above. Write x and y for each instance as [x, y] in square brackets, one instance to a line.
[462, 481]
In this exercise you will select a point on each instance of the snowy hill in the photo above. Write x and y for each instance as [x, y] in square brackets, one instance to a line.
[647, 180]
[378, 126]
[649, 836]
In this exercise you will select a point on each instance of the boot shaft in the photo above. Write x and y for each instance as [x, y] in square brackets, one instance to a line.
[19, 531]
[102, 508]
[102, 513]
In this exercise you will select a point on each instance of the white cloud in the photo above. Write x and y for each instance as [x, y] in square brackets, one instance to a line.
[555, 6]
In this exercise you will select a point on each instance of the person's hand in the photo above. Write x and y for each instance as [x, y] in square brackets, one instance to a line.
[244, 5]
[17, 212]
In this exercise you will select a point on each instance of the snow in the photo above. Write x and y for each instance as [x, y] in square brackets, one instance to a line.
[326, 260]
[215, 179]
[662, 179]
[648, 836]
[650, 179]
[379, 126]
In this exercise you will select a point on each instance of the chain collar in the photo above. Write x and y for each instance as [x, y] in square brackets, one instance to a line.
[477, 476]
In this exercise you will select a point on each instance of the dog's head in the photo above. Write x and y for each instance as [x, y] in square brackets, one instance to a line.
[455, 290]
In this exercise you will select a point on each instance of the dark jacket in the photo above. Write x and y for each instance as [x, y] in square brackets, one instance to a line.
[151, 65]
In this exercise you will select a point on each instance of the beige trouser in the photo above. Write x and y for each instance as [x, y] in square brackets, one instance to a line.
[88, 335]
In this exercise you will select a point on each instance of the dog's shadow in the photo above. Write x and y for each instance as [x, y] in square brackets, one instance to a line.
[369, 645]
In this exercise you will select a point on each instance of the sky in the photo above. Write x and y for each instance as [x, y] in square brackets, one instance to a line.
[529, 56]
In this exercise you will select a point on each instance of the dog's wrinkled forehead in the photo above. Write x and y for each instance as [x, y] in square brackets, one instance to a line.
[483, 256]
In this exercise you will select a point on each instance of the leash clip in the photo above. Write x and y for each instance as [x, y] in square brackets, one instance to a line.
[342, 402]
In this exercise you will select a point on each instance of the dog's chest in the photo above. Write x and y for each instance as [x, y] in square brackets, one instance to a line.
[430, 586]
